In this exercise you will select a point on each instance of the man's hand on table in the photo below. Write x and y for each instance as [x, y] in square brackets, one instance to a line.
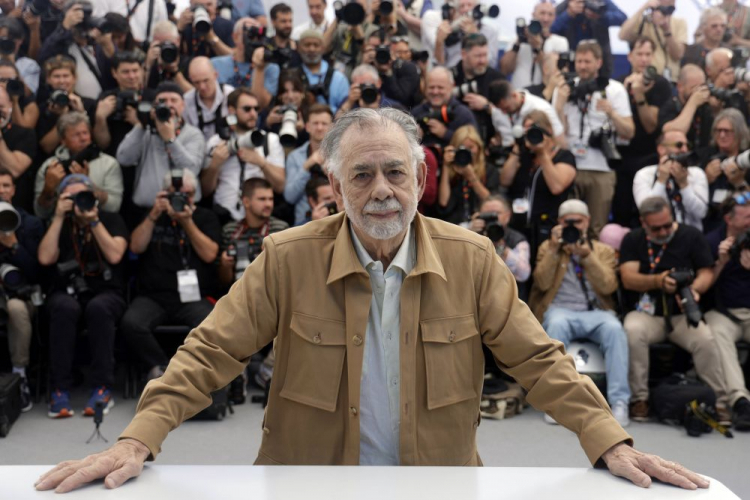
[625, 461]
[116, 465]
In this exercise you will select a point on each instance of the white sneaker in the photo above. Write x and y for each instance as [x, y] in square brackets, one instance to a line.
[550, 420]
[620, 411]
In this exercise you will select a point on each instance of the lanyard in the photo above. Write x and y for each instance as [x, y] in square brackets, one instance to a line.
[80, 238]
[184, 249]
[582, 281]
[654, 261]
[240, 81]
[262, 233]
[217, 116]
[583, 107]
[131, 10]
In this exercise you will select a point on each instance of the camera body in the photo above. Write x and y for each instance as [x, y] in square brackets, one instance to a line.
[162, 112]
[84, 200]
[169, 52]
[684, 278]
[10, 219]
[87, 154]
[369, 93]
[649, 75]
[492, 228]
[37, 7]
[684, 159]
[535, 135]
[244, 251]
[463, 157]
[571, 235]
[604, 140]
[444, 114]
[742, 242]
[59, 98]
[125, 98]
[178, 201]
[76, 283]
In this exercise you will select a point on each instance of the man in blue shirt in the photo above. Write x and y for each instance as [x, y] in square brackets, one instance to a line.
[328, 85]
[249, 8]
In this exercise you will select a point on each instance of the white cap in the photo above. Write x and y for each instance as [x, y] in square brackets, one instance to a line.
[571, 207]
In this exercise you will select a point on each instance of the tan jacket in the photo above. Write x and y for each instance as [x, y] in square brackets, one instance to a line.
[310, 292]
[599, 268]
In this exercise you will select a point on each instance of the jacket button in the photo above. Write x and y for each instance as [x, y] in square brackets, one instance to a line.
[353, 411]
[316, 338]
[357, 340]
[266, 430]
[451, 337]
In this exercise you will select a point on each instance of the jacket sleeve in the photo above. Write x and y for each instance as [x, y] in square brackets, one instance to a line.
[296, 178]
[524, 351]
[113, 185]
[546, 265]
[189, 152]
[214, 353]
[695, 195]
[402, 88]
[131, 148]
[56, 43]
[600, 268]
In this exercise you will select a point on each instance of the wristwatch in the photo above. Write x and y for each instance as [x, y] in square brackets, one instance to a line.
[94, 223]
[642, 103]
[170, 141]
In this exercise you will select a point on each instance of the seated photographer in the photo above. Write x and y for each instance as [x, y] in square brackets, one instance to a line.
[15, 30]
[166, 142]
[534, 40]
[306, 161]
[597, 116]
[163, 59]
[87, 246]
[712, 27]
[77, 155]
[60, 98]
[730, 321]
[17, 144]
[366, 91]
[688, 111]
[177, 244]
[400, 76]
[539, 176]
[242, 241]
[247, 152]
[320, 199]
[204, 33]
[492, 221]
[665, 268]
[511, 107]
[25, 108]
[142, 16]
[325, 83]
[206, 103]
[466, 179]
[676, 180]
[116, 110]
[574, 279]
[19, 243]
[730, 137]
[441, 114]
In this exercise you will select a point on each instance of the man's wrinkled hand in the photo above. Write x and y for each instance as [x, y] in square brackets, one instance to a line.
[626, 462]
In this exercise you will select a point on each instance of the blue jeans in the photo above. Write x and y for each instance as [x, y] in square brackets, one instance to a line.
[604, 329]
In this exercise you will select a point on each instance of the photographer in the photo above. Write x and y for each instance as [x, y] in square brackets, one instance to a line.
[18, 247]
[574, 280]
[318, 19]
[292, 94]
[739, 22]
[539, 176]
[142, 15]
[246, 66]
[524, 59]
[596, 118]
[165, 45]
[685, 187]
[306, 161]
[163, 146]
[206, 103]
[177, 244]
[688, 112]
[25, 108]
[727, 92]
[320, 199]
[232, 160]
[213, 40]
[103, 170]
[326, 84]
[443, 29]
[654, 20]
[28, 69]
[666, 302]
[60, 99]
[399, 77]
[88, 247]
[730, 321]
[281, 43]
[88, 46]
[712, 26]
[242, 241]
[365, 91]
[441, 114]
[466, 179]
[492, 221]
[589, 20]
[17, 144]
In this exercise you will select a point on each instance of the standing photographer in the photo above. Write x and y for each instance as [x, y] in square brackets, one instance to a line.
[574, 280]
[28, 69]
[689, 111]
[712, 26]
[400, 77]
[177, 243]
[666, 301]
[597, 113]
[142, 15]
[206, 103]
[203, 33]
[163, 59]
[18, 248]
[87, 247]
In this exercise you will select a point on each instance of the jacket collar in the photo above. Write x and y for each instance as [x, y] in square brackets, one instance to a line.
[346, 262]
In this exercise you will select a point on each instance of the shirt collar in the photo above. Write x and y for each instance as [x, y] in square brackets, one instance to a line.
[405, 257]
[218, 100]
[323, 69]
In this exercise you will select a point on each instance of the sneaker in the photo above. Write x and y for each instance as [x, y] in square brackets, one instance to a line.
[59, 405]
[26, 402]
[639, 411]
[724, 415]
[620, 411]
[741, 416]
[99, 394]
[548, 418]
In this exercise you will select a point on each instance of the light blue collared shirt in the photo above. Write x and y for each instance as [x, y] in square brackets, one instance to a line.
[338, 90]
[381, 372]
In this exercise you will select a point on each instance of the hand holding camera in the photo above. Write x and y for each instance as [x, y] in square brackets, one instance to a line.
[322, 210]
[73, 17]
[161, 204]
[699, 96]
[725, 250]
[250, 155]
[678, 173]
[53, 176]
[355, 94]
[437, 128]
[221, 153]
[166, 128]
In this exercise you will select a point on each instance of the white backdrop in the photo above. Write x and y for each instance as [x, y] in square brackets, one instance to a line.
[510, 10]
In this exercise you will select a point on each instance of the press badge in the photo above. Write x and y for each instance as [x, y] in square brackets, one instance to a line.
[646, 305]
[719, 196]
[520, 205]
[667, 74]
[580, 150]
[187, 284]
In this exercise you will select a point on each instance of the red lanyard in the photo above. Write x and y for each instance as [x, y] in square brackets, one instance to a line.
[241, 81]
[251, 240]
[653, 262]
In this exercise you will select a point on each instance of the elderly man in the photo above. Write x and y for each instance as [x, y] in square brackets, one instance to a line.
[365, 79]
[346, 323]
[206, 104]
[713, 25]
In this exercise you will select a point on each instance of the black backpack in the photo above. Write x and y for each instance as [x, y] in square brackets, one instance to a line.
[10, 401]
[217, 410]
[674, 393]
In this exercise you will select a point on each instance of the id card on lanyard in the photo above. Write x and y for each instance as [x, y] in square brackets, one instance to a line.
[646, 303]
[187, 279]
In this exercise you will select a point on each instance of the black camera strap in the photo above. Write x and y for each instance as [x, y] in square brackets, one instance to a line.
[582, 280]
[150, 20]
[132, 9]
[91, 64]
[217, 116]
[243, 165]
[184, 247]
[82, 237]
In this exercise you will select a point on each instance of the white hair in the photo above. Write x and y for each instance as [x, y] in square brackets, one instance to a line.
[365, 69]
[710, 13]
[166, 29]
[711, 56]
[188, 179]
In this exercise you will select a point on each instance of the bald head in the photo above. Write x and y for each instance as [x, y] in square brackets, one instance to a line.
[718, 60]
[203, 76]
[439, 86]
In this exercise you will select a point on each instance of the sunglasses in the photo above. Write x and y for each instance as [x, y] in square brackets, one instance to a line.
[742, 199]
[678, 144]
[247, 109]
[664, 227]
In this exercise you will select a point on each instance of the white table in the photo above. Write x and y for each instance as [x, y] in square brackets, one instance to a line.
[188, 482]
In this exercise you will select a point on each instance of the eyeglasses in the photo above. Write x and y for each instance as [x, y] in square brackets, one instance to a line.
[656, 229]
[727, 131]
[678, 144]
[247, 109]
[743, 198]
[398, 39]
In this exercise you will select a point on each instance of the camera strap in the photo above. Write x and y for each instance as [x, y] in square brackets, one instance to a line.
[181, 240]
[530, 195]
[150, 20]
[91, 64]
[132, 9]
[80, 239]
[217, 116]
[241, 81]
[579, 274]
[466, 189]
[654, 261]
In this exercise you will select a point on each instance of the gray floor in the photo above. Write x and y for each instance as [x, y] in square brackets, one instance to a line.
[524, 440]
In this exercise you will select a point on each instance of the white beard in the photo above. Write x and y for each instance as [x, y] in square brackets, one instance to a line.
[383, 230]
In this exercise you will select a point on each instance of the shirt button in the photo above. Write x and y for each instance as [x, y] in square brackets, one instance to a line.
[394, 381]
[451, 337]
[266, 430]
[357, 340]
[353, 411]
[316, 338]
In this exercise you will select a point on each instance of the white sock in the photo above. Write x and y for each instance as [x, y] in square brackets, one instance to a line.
[21, 370]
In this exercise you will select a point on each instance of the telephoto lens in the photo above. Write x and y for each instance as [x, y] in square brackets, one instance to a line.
[84, 200]
[463, 157]
[201, 20]
[169, 52]
[570, 233]
[535, 135]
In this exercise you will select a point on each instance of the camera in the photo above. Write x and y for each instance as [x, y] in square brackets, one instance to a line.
[382, 54]
[463, 157]
[369, 94]
[351, 12]
[742, 242]
[418, 56]
[571, 234]
[470, 87]
[72, 273]
[585, 88]
[728, 34]
[7, 46]
[535, 135]
[84, 200]
[201, 20]
[244, 253]
[741, 75]
[332, 207]
[288, 130]
[248, 140]
[59, 98]
[445, 114]
[684, 279]
[15, 87]
[595, 6]
[386, 7]
[649, 75]
[563, 61]
[480, 11]
[87, 154]
[684, 159]
[178, 201]
[727, 96]
[37, 7]
[125, 98]
[522, 29]
[9, 218]
[740, 55]
[224, 8]
[169, 52]
[162, 112]
[742, 160]
[492, 228]
[604, 140]
[15, 285]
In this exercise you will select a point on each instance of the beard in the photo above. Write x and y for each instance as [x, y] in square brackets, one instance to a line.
[662, 241]
[311, 59]
[383, 230]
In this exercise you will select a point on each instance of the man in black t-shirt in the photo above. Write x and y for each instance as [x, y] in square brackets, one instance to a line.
[645, 102]
[87, 246]
[648, 256]
[689, 112]
[17, 150]
[176, 272]
[218, 40]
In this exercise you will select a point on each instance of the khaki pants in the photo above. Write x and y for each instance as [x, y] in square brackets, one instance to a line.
[19, 332]
[596, 189]
[727, 333]
[644, 330]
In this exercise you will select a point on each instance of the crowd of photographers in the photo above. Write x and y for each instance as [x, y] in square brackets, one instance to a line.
[145, 154]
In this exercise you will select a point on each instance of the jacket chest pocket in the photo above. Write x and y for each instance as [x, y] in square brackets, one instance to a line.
[317, 350]
[449, 352]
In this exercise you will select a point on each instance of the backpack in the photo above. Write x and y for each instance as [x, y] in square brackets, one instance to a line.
[674, 393]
